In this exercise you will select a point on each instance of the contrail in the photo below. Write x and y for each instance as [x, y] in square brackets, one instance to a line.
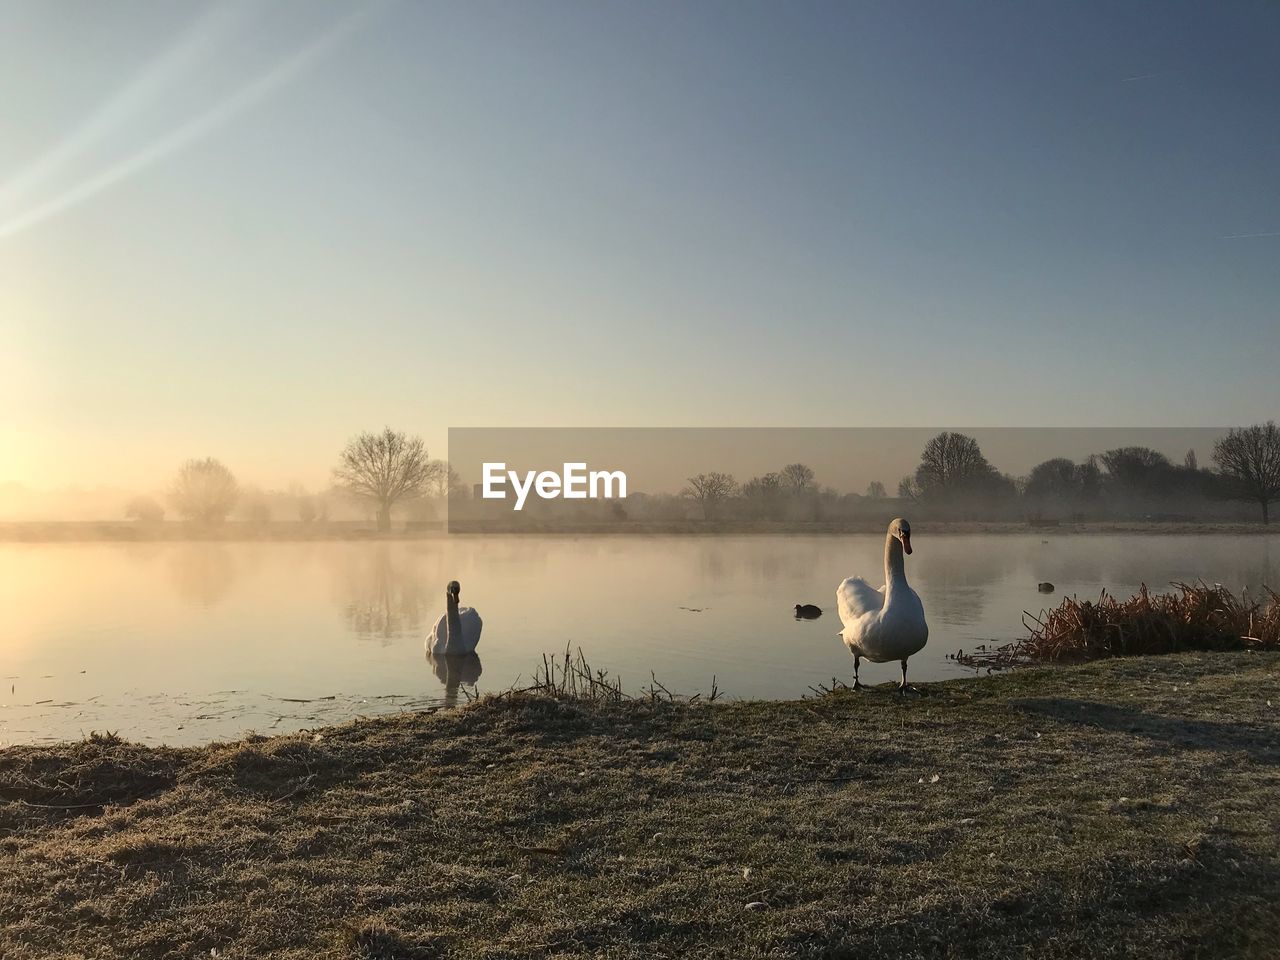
[194, 129]
[1249, 236]
[195, 44]
[1145, 76]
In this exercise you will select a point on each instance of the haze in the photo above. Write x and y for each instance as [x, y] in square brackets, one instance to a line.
[250, 230]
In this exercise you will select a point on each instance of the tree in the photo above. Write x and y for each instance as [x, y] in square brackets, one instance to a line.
[876, 491]
[1138, 468]
[710, 490]
[1056, 479]
[797, 477]
[257, 511]
[385, 468]
[306, 508]
[144, 509]
[1190, 462]
[763, 495]
[204, 491]
[446, 484]
[1090, 478]
[953, 463]
[907, 489]
[1250, 457]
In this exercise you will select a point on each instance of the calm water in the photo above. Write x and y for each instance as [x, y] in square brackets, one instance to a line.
[184, 643]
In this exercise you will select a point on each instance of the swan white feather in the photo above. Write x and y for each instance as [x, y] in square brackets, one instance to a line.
[471, 627]
[458, 631]
[888, 623]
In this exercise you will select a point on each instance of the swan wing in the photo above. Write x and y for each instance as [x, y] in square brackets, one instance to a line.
[471, 627]
[437, 637]
[856, 598]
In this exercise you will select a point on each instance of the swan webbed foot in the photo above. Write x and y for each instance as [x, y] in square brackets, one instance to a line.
[858, 684]
[905, 688]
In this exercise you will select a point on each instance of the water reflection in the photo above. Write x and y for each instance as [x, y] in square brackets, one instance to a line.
[202, 574]
[381, 601]
[453, 671]
[155, 629]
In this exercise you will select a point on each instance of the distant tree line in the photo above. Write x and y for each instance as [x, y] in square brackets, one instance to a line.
[954, 480]
[385, 470]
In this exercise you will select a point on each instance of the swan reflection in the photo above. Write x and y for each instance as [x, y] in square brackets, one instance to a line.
[454, 670]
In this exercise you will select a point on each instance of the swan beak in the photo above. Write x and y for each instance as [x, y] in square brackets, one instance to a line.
[906, 544]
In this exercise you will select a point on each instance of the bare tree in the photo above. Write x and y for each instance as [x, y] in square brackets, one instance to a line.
[797, 477]
[446, 483]
[204, 490]
[386, 468]
[306, 508]
[303, 503]
[255, 508]
[1138, 469]
[907, 489]
[1189, 461]
[144, 509]
[952, 462]
[710, 490]
[1250, 456]
[1090, 475]
[876, 490]
[763, 495]
[1058, 479]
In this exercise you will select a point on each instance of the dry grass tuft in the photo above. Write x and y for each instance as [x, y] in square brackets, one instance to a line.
[1191, 617]
[569, 676]
[378, 941]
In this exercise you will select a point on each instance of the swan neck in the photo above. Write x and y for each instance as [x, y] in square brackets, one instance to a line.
[452, 624]
[894, 567]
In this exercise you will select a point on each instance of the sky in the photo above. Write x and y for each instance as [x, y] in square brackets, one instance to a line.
[249, 230]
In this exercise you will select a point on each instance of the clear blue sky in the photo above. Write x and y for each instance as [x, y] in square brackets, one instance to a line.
[249, 230]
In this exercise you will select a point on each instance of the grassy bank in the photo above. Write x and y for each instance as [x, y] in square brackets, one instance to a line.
[1127, 808]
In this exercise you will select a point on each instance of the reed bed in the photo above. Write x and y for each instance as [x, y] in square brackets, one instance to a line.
[1190, 617]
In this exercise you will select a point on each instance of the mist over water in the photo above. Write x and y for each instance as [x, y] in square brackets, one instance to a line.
[190, 642]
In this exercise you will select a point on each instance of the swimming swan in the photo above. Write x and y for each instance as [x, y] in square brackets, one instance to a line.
[458, 631]
[885, 624]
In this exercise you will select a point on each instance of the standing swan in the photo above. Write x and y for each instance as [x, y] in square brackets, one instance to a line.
[458, 631]
[885, 624]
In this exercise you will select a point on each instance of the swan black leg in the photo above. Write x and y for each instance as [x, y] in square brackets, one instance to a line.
[905, 687]
[857, 660]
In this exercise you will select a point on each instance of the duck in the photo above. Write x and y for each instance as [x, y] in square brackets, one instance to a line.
[807, 611]
[888, 623]
[458, 631]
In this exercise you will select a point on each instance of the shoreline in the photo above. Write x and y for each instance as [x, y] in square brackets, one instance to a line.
[126, 532]
[1118, 808]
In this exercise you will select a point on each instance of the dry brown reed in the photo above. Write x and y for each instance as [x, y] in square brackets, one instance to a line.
[1189, 617]
[568, 676]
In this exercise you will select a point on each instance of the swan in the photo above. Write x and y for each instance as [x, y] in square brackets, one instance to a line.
[458, 631]
[885, 624]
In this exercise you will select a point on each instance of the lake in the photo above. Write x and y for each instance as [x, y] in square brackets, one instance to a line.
[190, 642]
